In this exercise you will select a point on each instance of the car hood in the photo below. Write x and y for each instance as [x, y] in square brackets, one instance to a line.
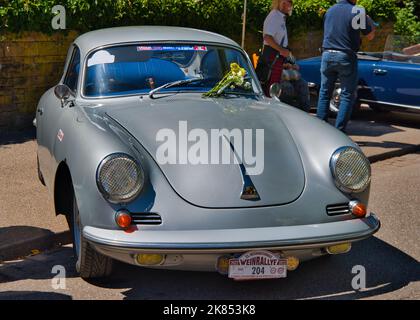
[212, 185]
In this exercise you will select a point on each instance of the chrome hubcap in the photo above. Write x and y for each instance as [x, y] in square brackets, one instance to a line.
[335, 100]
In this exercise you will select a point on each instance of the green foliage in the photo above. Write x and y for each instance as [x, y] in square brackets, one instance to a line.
[407, 23]
[223, 16]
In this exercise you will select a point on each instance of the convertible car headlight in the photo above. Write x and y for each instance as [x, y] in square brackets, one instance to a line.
[120, 179]
[350, 169]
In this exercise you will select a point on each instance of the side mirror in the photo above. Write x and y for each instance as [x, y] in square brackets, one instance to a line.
[275, 91]
[62, 92]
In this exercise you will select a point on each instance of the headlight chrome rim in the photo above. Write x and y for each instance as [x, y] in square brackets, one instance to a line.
[128, 196]
[333, 166]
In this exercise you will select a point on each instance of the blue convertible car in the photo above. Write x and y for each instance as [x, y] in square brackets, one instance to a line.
[387, 81]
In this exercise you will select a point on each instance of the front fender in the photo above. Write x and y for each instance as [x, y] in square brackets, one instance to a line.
[317, 141]
[86, 142]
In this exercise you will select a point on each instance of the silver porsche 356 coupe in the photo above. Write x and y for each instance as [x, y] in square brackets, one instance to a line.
[161, 150]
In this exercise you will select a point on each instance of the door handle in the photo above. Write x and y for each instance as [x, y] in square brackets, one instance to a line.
[380, 71]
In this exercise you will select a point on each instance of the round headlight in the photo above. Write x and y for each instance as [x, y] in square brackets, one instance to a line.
[350, 169]
[120, 178]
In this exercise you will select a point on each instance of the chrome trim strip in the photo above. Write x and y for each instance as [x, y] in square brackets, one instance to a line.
[233, 247]
[391, 104]
[206, 249]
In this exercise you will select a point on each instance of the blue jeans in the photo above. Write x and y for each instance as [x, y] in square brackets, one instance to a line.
[343, 67]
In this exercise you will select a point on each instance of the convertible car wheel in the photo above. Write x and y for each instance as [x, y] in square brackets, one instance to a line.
[90, 263]
[378, 108]
[335, 101]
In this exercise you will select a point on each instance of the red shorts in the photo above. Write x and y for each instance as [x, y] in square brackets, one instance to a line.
[276, 73]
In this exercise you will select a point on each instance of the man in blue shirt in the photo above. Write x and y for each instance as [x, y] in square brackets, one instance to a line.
[343, 24]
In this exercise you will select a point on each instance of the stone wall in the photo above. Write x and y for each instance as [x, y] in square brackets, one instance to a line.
[30, 63]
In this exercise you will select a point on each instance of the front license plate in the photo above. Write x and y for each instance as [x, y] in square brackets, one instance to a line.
[257, 265]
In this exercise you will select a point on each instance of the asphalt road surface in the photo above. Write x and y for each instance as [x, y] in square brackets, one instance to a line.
[391, 261]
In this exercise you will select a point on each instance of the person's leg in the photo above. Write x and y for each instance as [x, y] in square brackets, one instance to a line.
[348, 75]
[302, 94]
[276, 73]
[328, 78]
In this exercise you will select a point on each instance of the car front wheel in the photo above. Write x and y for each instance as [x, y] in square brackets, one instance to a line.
[90, 263]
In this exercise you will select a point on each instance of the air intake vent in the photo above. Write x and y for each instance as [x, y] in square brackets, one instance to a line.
[146, 218]
[338, 209]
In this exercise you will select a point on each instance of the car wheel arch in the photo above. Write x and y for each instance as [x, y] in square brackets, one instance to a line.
[63, 187]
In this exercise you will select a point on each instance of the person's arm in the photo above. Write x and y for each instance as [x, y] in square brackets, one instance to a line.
[370, 35]
[272, 43]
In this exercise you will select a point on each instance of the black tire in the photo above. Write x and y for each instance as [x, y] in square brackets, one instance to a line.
[378, 108]
[356, 108]
[90, 263]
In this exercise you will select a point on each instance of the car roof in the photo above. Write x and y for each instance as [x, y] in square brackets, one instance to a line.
[109, 36]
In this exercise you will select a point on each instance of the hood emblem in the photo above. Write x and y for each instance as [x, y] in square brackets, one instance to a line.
[249, 192]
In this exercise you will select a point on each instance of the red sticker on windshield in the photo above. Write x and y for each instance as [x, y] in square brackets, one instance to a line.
[171, 48]
[200, 48]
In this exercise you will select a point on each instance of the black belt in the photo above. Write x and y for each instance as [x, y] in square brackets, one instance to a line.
[349, 52]
[331, 50]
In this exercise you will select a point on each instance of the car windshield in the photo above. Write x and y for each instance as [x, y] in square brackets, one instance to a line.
[398, 49]
[138, 69]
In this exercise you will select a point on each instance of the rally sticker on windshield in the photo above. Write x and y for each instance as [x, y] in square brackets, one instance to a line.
[171, 48]
[101, 57]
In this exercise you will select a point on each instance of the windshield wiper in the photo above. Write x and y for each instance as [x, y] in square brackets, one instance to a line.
[238, 93]
[173, 84]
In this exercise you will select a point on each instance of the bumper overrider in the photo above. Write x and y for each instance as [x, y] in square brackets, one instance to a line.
[201, 249]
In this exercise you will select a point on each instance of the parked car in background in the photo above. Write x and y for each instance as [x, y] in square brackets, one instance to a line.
[99, 136]
[388, 80]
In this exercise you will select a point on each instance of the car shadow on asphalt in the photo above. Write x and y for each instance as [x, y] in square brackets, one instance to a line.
[370, 129]
[38, 267]
[381, 123]
[16, 137]
[386, 144]
[387, 269]
[369, 123]
[20, 241]
[33, 295]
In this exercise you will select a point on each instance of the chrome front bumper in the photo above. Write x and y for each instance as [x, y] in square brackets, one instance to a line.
[233, 240]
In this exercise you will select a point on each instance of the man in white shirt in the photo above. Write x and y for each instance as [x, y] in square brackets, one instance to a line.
[275, 49]
[275, 30]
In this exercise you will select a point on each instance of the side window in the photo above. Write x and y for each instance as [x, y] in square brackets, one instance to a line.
[72, 75]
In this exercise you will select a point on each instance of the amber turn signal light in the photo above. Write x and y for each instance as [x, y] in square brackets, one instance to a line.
[358, 209]
[123, 219]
